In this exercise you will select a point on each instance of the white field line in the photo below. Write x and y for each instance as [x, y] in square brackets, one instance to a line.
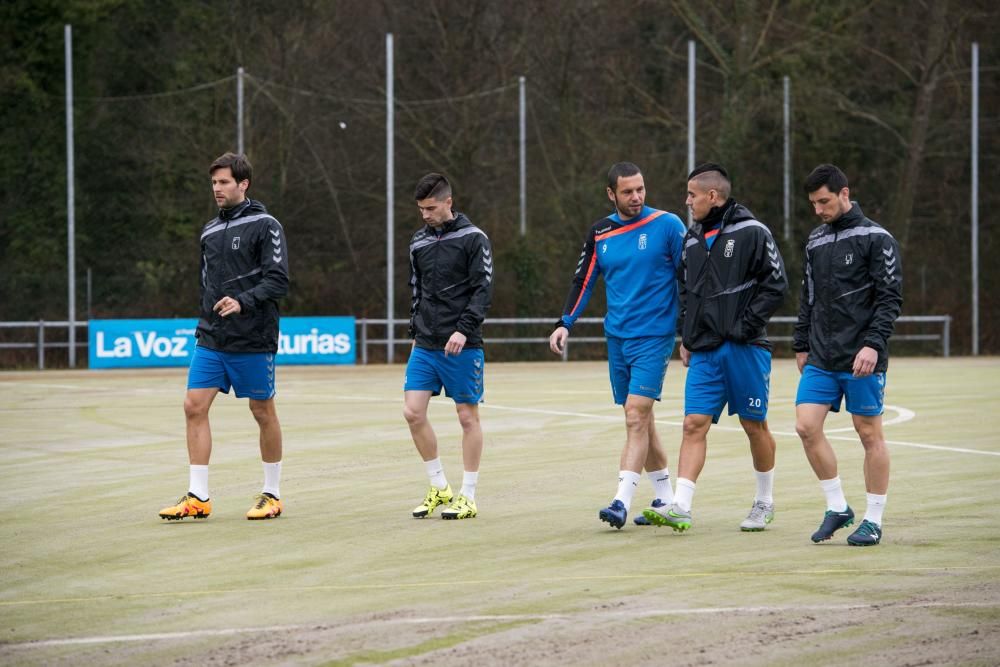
[903, 415]
[493, 618]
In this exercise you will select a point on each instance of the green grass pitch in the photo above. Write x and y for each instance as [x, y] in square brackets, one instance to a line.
[91, 575]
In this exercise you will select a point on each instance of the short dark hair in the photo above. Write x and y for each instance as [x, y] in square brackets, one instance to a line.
[706, 167]
[432, 185]
[826, 174]
[713, 177]
[621, 170]
[239, 165]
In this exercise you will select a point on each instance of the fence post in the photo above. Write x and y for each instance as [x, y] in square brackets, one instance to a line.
[946, 336]
[364, 341]
[41, 345]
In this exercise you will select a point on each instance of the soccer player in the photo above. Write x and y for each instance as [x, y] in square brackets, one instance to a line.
[244, 271]
[733, 280]
[851, 297]
[638, 249]
[451, 273]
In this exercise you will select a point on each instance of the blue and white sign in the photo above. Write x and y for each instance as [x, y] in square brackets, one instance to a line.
[170, 342]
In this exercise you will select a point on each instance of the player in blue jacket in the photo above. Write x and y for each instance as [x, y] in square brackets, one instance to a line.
[638, 251]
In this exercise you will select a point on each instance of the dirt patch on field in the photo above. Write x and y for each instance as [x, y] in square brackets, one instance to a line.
[960, 627]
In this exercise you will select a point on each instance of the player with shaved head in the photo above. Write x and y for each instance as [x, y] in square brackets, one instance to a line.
[732, 281]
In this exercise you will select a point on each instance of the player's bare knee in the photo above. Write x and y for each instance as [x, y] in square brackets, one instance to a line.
[695, 426]
[414, 417]
[636, 419]
[194, 409]
[753, 428]
[262, 411]
[808, 431]
[469, 419]
[871, 437]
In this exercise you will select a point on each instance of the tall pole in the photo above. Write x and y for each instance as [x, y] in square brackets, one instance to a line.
[390, 337]
[522, 125]
[691, 89]
[70, 197]
[788, 157]
[239, 111]
[975, 198]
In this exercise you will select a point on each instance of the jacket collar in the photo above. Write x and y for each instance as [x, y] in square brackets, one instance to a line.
[849, 219]
[456, 222]
[235, 211]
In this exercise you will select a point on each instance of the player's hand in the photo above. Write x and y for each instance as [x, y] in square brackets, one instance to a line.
[226, 306]
[864, 362]
[557, 341]
[800, 360]
[685, 356]
[455, 344]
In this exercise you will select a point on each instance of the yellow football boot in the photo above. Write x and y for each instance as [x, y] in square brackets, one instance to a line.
[462, 508]
[265, 506]
[434, 498]
[188, 505]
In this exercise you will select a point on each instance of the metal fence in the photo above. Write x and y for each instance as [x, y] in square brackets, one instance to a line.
[39, 339]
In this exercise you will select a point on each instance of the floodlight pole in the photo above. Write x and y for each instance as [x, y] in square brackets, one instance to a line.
[70, 197]
[390, 338]
[691, 90]
[975, 198]
[239, 111]
[787, 113]
[523, 161]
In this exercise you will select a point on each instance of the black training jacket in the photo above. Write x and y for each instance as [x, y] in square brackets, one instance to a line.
[244, 256]
[451, 273]
[852, 292]
[730, 291]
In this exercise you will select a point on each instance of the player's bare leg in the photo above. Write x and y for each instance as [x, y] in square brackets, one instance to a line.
[690, 461]
[869, 429]
[415, 411]
[638, 415]
[809, 420]
[464, 505]
[267, 504]
[762, 450]
[270, 429]
[195, 503]
[199, 434]
[415, 404]
[656, 456]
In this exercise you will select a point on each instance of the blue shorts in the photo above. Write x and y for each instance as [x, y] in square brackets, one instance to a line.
[251, 374]
[461, 375]
[637, 365]
[733, 373]
[865, 395]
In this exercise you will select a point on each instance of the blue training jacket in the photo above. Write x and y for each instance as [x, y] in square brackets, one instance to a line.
[639, 259]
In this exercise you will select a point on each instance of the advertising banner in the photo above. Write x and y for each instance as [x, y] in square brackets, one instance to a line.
[170, 342]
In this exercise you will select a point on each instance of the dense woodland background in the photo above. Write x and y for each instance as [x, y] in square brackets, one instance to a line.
[880, 88]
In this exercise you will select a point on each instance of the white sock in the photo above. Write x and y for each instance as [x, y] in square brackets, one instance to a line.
[199, 482]
[661, 485]
[272, 478]
[765, 486]
[628, 481]
[835, 499]
[469, 480]
[684, 496]
[435, 471]
[876, 505]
